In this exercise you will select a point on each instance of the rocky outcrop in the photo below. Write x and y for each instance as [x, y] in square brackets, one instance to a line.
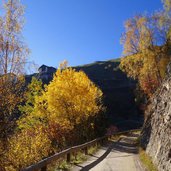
[45, 73]
[156, 134]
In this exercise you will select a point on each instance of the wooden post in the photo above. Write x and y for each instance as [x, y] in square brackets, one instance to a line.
[44, 168]
[86, 150]
[68, 157]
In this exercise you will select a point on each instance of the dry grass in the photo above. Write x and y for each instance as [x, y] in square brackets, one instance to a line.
[76, 158]
[146, 160]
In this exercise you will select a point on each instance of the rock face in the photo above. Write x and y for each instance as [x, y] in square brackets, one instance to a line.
[45, 73]
[156, 134]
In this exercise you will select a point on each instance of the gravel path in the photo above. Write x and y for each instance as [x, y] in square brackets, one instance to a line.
[116, 156]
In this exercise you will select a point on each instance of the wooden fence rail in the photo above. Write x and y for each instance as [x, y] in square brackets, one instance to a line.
[42, 165]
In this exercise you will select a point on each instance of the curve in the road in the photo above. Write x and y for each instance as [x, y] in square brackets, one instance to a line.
[115, 156]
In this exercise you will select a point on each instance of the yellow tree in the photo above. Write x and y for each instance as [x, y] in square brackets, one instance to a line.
[30, 142]
[65, 111]
[13, 55]
[167, 14]
[34, 89]
[26, 147]
[146, 46]
[11, 92]
[167, 5]
[70, 99]
[13, 51]
[72, 96]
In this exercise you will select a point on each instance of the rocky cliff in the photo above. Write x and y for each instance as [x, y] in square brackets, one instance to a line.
[156, 134]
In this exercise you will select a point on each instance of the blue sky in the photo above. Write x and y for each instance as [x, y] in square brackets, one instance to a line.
[80, 31]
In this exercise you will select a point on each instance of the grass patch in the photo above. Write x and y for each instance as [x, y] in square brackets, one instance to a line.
[146, 160]
[76, 158]
[63, 166]
[93, 149]
[59, 165]
[80, 157]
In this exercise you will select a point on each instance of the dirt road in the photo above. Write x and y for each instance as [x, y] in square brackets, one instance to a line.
[116, 156]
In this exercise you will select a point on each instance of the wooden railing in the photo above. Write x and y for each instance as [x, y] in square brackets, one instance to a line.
[42, 165]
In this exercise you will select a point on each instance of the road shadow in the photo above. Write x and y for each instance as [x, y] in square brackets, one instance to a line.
[119, 146]
[99, 159]
[125, 147]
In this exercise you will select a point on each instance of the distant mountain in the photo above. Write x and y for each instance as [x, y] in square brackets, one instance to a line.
[117, 88]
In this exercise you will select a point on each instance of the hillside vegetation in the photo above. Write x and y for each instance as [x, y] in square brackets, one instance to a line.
[118, 90]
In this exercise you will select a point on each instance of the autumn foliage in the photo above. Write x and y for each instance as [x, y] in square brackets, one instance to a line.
[39, 120]
[62, 114]
[26, 147]
[146, 43]
[72, 97]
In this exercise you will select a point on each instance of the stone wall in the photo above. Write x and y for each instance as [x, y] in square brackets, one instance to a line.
[156, 134]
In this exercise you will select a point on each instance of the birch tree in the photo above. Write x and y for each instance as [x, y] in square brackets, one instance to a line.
[13, 57]
[13, 51]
